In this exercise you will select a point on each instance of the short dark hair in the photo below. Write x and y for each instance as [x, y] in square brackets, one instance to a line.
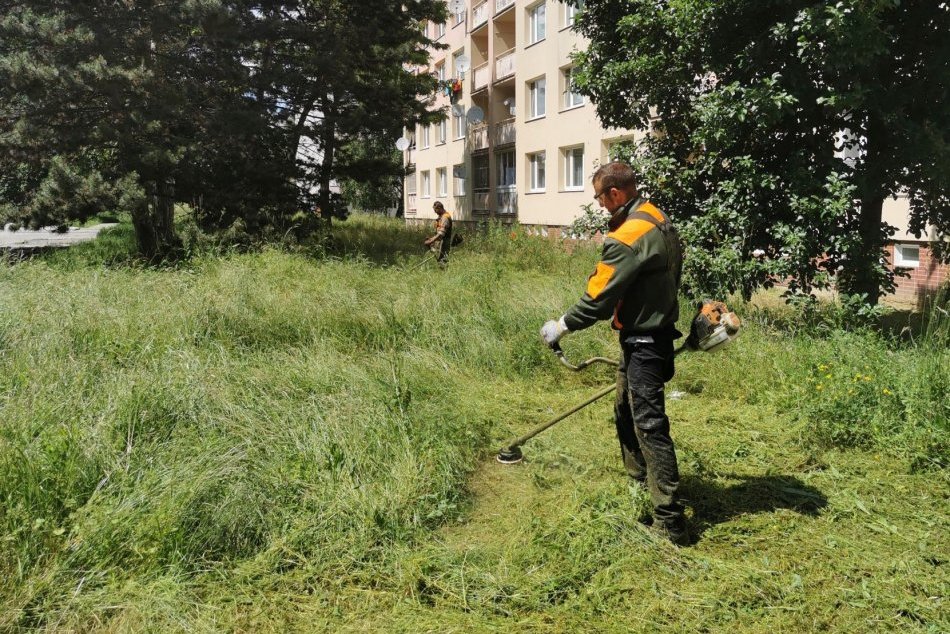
[438, 205]
[616, 174]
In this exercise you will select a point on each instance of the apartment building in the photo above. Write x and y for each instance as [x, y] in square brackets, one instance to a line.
[520, 145]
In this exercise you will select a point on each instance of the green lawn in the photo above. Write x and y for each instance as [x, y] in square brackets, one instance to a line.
[305, 441]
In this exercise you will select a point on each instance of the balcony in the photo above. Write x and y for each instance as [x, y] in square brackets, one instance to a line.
[505, 132]
[478, 136]
[479, 14]
[506, 197]
[501, 5]
[480, 201]
[481, 75]
[505, 65]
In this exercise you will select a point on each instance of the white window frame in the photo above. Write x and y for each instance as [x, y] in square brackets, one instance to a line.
[424, 143]
[443, 131]
[459, 184]
[903, 258]
[537, 103]
[442, 182]
[460, 16]
[440, 71]
[573, 160]
[425, 184]
[537, 23]
[503, 160]
[439, 30]
[536, 170]
[460, 127]
[570, 13]
[571, 99]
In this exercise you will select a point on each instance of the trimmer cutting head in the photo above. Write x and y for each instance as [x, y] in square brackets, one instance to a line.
[509, 455]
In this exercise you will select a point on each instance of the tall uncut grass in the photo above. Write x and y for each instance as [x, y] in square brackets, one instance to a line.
[298, 440]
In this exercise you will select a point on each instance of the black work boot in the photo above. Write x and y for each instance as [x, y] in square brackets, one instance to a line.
[675, 531]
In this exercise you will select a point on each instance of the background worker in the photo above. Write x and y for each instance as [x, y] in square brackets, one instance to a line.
[443, 233]
[636, 283]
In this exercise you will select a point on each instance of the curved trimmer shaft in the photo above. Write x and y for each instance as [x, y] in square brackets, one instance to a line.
[511, 453]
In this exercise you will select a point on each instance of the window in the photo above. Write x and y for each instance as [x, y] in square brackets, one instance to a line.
[574, 168]
[536, 107]
[426, 185]
[536, 29]
[506, 169]
[536, 167]
[439, 30]
[480, 172]
[424, 143]
[458, 172]
[570, 12]
[907, 255]
[458, 125]
[440, 71]
[442, 182]
[460, 16]
[443, 130]
[571, 99]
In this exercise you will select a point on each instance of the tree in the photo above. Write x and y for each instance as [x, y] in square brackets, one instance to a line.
[372, 174]
[780, 127]
[146, 103]
[346, 72]
[141, 103]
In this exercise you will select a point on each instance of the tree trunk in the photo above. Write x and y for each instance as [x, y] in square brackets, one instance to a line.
[864, 279]
[154, 221]
[328, 142]
[864, 276]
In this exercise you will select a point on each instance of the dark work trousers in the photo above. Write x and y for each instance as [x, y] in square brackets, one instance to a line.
[643, 427]
[444, 245]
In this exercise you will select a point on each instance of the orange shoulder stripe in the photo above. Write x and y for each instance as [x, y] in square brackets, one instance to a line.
[598, 281]
[631, 231]
[650, 208]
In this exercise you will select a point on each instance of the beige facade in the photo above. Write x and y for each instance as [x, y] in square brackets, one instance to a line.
[530, 154]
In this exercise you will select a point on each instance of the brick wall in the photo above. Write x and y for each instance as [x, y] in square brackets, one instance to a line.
[923, 280]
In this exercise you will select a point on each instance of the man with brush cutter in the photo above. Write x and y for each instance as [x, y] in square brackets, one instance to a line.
[443, 234]
[636, 283]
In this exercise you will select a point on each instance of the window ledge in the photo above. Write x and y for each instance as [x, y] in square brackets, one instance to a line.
[535, 43]
[569, 108]
[540, 116]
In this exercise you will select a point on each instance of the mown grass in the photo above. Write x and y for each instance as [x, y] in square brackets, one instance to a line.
[305, 441]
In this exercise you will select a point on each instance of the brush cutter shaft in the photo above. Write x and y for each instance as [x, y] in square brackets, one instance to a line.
[513, 447]
[531, 434]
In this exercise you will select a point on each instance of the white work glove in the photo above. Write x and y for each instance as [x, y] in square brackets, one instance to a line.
[553, 331]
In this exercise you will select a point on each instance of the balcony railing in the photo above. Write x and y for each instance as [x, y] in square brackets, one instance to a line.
[501, 5]
[507, 198]
[505, 65]
[478, 136]
[480, 201]
[481, 75]
[479, 14]
[505, 131]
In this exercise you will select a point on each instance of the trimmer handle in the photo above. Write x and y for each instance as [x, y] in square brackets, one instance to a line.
[556, 348]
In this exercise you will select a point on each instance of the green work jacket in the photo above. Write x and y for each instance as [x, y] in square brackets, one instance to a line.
[637, 279]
